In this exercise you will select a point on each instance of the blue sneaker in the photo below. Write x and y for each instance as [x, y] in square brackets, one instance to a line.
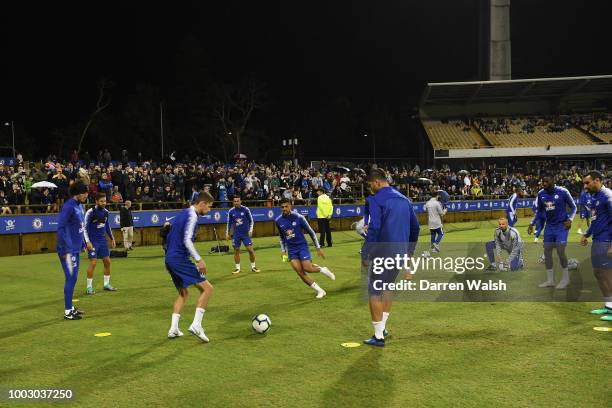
[386, 333]
[373, 341]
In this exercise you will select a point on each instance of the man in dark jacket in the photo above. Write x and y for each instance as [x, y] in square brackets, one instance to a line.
[127, 224]
[393, 232]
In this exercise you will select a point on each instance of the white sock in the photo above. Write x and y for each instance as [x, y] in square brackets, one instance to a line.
[175, 320]
[550, 273]
[608, 305]
[197, 318]
[106, 280]
[384, 320]
[252, 265]
[316, 287]
[379, 327]
[565, 275]
[90, 283]
[66, 311]
[237, 267]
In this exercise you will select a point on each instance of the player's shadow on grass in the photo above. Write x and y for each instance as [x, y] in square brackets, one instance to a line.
[450, 335]
[31, 327]
[365, 380]
[230, 277]
[345, 288]
[250, 337]
[575, 313]
[153, 256]
[123, 369]
[31, 306]
[268, 308]
[144, 289]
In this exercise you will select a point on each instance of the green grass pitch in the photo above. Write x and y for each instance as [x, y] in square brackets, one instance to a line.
[440, 353]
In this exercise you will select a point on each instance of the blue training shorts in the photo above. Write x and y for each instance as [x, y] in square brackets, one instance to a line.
[245, 239]
[556, 234]
[183, 273]
[599, 254]
[301, 253]
[100, 250]
[376, 281]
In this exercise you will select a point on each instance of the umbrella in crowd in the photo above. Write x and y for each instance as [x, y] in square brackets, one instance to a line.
[462, 172]
[341, 169]
[423, 180]
[475, 171]
[444, 197]
[43, 184]
[357, 170]
[240, 156]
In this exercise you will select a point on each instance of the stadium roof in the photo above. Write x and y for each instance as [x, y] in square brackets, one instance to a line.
[515, 90]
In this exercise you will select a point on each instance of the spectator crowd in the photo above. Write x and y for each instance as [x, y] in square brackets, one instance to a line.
[152, 185]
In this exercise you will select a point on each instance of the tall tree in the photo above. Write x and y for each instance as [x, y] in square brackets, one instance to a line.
[235, 107]
[102, 103]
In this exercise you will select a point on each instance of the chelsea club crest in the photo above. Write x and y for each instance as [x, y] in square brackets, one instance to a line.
[37, 223]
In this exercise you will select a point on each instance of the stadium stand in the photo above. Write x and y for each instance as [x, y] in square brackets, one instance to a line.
[518, 118]
[599, 125]
[502, 132]
[453, 135]
[534, 131]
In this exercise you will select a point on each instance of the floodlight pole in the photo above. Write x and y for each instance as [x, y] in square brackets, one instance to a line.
[374, 147]
[13, 133]
[161, 128]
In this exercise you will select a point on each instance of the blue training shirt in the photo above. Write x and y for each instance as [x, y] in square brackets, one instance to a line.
[291, 231]
[392, 220]
[241, 219]
[551, 205]
[601, 216]
[585, 200]
[97, 225]
[70, 228]
[512, 201]
[182, 235]
[536, 214]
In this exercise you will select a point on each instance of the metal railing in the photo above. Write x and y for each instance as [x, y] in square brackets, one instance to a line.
[174, 205]
[356, 195]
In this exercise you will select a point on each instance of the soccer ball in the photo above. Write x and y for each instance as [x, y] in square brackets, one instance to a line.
[261, 323]
[572, 264]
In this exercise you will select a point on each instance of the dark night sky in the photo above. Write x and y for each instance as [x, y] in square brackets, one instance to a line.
[308, 53]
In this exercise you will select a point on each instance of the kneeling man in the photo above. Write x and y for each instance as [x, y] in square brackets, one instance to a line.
[508, 239]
